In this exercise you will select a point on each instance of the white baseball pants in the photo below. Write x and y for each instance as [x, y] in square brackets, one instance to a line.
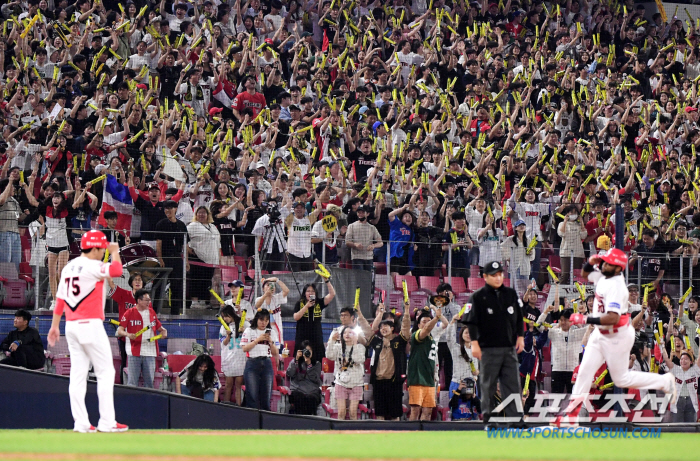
[88, 343]
[614, 349]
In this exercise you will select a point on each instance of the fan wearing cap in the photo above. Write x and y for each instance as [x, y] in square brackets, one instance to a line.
[83, 290]
[495, 320]
[613, 336]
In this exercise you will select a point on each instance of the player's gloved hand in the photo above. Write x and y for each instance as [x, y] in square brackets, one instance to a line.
[593, 260]
[577, 319]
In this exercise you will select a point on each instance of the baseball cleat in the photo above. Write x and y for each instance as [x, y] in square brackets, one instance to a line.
[118, 427]
[90, 430]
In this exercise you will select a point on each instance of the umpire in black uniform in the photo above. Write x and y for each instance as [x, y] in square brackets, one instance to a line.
[495, 323]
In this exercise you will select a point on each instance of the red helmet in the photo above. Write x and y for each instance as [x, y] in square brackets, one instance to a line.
[616, 257]
[93, 239]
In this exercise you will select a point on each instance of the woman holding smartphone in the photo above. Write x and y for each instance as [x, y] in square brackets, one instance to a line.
[260, 343]
[308, 313]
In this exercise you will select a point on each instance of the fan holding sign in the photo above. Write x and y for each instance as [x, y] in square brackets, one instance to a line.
[324, 234]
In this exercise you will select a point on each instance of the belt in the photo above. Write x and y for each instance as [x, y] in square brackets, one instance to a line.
[624, 321]
[608, 332]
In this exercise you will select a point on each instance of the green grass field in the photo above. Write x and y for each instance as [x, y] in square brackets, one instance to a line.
[40, 445]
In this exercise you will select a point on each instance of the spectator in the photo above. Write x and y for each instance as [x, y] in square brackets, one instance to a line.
[450, 309]
[23, 345]
[572, 232]
[140, 349]
[299, 231]
[388, 362]
[272, 301]
[565, 349]
[465, 366]
[273, 245]
[348, 319]
[204, 248]
[304, 374]
[362, 238]
[464, 405]
[199, 379]
[308, 312]
[260, 343]
[170, 246]
[320, 238]
[233, 358]
[458, 242]
[685, 409]
[515, 250]
[401, 239]
[9, 229]
[349, 356]
[125, 300]
[650, 262]
[422, 365]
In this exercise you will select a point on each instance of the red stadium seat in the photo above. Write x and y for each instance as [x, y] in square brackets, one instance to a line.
[429, 283]
[411, 283]
[475, 284]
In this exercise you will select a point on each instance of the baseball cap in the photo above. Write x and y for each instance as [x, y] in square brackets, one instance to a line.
[296, 204]
[93, 239]
[518, 222]
[259, 165]
[493, 268]
[364, 208]
[236, 283]
[215, 110]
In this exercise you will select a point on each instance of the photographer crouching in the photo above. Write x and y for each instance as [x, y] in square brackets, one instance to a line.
[305, 376]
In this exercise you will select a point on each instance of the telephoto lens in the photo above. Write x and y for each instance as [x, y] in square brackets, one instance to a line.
[307, 353]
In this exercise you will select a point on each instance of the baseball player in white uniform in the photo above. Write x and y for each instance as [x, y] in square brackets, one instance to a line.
[83, 289]
[613, 337]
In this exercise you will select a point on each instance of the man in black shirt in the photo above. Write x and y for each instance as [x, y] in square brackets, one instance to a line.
[495, 324]
[24, 344]
[169, 245]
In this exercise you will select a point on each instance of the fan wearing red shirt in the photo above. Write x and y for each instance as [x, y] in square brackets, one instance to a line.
[139, 325]
[125, 300]
[249, 99]
[514, 27]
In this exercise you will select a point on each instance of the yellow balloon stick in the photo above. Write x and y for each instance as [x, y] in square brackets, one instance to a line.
[225, 325]
[357, 297]
[527, 384]
[142, 331]
[216, 295]
[155, 338]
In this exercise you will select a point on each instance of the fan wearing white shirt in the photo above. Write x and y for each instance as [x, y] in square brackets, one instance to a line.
[260, 343]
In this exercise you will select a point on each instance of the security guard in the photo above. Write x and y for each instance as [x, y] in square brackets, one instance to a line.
[495, 321]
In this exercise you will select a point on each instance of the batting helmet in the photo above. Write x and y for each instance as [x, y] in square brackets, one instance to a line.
[93, 239]
[616, 257]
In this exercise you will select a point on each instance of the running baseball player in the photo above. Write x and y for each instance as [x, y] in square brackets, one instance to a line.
[613, 337]
[83, 290]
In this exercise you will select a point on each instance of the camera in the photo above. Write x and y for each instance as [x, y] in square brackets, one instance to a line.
[312, 297]
[307, 353]
[273, 212]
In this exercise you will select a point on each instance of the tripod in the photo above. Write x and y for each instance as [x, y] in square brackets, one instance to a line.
[272, 233]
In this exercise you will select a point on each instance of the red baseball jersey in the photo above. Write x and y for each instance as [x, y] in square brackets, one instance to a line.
[134, 321]
[124, 299]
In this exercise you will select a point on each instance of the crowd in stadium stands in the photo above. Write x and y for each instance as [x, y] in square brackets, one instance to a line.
[418, 133]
